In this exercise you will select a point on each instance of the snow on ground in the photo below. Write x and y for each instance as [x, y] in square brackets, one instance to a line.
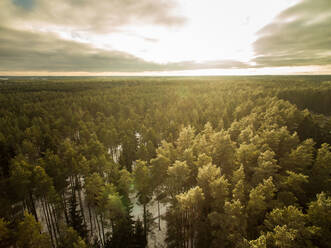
[156, 237]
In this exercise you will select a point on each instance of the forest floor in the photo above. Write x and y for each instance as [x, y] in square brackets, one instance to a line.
[156, 237]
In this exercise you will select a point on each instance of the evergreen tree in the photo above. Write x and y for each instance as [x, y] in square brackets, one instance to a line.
[139, 235]
[29, 234]
[76, 219]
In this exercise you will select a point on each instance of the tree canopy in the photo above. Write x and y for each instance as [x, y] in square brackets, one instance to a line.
[234, 161]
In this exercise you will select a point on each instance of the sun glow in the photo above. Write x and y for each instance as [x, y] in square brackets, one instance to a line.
[214, 30]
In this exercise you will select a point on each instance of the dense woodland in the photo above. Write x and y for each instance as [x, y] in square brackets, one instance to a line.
[237, 161]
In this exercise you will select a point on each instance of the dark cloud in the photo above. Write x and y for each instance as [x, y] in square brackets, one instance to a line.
[29, 51]
[299, 36]
[26, 4]
[92, 15]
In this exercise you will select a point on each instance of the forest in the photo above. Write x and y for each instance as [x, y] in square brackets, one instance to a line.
[236, 161]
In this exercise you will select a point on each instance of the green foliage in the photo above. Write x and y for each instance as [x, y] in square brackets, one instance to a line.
[320, 174]
[70, 238]
[178, 176]
[191, 200]
[319, 214]
[142, 181]
[260, 242]
[266, 167]
[301, 158]
[29, 233]
[207, 175]
[4, 233]
[260, 197]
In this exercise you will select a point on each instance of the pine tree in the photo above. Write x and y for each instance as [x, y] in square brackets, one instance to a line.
[76, 219]
[139, 236]
[29, 234]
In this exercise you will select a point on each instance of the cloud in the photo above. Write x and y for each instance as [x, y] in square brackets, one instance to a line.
[92, 15]
[28, 51]
[32, 51]
[299, 36]
[26, 4]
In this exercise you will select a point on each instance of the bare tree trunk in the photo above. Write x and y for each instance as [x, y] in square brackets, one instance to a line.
[102, 242]
[145, 223]
[90, 217]
[80, 200]
[191, 220]
[184, 230]
[52, 222]
[56, 219]
[158, 212]
[34, 212]
[65, 208]
[73, 186]
[95, 223]
[102, 227]
[48, 223]
[112, 226]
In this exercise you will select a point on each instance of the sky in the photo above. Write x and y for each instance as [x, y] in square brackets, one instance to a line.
[165, 37]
